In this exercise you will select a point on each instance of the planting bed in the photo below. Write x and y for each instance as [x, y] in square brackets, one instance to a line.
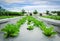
[52, 17]
[49, 21]
[4, 17]
[30, 29]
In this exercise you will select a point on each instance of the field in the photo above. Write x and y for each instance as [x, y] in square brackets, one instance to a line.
[28, 27]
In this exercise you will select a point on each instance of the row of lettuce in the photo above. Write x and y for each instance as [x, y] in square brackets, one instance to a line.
[48, 31]
[52, 17]
[11, 30]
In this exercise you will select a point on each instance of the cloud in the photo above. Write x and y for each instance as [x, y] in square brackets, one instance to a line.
[14, 1]
[30, 5]
[47, 0]
[30, 1]
[40, 8]
[40, 2]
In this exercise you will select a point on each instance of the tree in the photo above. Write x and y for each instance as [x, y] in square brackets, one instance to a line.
[58, 12]
[40, 14]
[2, 11]
[53, 11]
[47, 12]
[30, 14]
[23, 12]
[0, 7]
[35, 12]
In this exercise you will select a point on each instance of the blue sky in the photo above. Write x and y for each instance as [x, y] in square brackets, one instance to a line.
[30, 5]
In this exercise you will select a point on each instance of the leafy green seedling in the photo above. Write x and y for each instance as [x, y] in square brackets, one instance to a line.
[49, 31]
[10, 30]
[30, 28]
[28, 22]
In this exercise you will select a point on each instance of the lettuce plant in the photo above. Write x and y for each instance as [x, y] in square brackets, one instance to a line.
[10, 30]
[29, 18]
[49, 31]
[30, 28]
[28, 22]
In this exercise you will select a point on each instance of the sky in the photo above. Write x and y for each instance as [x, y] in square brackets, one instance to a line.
[30, 5]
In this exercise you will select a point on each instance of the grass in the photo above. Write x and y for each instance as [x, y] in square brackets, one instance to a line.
[52, 17]
[4, 17]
